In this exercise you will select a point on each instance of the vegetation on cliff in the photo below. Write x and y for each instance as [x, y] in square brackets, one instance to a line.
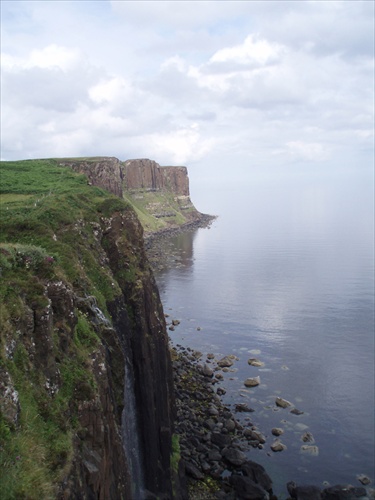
[77, 298]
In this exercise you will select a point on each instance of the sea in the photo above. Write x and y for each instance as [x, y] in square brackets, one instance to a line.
[285, 274]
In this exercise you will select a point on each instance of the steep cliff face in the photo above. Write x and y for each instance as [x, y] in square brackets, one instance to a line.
[159, 195]
[147, 175]
[79, 305]
[103, 172]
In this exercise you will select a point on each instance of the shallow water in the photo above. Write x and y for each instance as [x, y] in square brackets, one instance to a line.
[286, 275]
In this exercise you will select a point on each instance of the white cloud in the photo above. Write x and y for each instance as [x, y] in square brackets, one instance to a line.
[307, 151]
[253, 51]
[188, 81]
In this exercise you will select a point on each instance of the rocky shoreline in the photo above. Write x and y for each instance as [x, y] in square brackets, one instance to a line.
[212, 441]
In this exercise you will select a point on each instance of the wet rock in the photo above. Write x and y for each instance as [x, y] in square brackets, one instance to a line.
[233, 456]
[225, 362]
[221, 440]
[307, 437]
[277, 431]
[252, 382]
[257, 473]
[364, 479]
[296, 412]
[220, 391]
[214, 456]
[255, 435]
[207, 371]
[230, 425]
[213, 411]
[210, 356]
[243, 407]
[193, 471]
[175, 322]
[343, 492]
[278, 446]
[303, 492]
[310, 450]
[282, 403]
[247, 489]
[255, 362]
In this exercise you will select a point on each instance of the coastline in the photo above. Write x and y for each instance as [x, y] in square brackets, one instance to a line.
[213, 467]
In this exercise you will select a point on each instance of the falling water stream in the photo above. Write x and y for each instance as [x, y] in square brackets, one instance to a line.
[131, 436]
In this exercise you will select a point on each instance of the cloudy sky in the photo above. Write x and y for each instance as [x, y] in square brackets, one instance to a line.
[251, 83]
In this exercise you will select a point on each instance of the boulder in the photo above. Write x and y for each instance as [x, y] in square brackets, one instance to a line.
[307, 437]
[277, 431]
[303, 492]
[310, 450]
[343, 492]
[207, 371]
[247, 489]
[233, 456]
[225, 362]
[278, 446]
[255, 362]
[193, 471]
[252, 382]
[258, 474]
[221, 440]
[243, 407]
[282, 403]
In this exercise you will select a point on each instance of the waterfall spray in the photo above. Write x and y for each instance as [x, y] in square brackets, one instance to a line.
[131, 435]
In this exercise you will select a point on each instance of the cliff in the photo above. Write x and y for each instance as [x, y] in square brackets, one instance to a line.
[86, 400]
[159, 195]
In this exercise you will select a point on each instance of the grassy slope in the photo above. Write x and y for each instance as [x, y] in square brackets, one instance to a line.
[45, 235]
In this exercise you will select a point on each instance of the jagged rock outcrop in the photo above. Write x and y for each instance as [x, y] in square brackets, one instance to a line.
[105, 172]
[160, 195]
[147, 175]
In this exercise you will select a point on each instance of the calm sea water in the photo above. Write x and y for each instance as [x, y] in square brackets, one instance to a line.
[286, 275]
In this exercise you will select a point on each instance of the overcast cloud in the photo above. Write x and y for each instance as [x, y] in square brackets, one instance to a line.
[194, 83]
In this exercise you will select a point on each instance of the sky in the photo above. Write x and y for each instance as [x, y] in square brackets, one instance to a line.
[209, 85]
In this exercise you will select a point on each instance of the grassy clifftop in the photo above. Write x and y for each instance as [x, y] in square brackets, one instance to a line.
[49, 256]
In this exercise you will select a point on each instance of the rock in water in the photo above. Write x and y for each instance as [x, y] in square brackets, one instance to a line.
[255, 362]
[225, 362]
[278, 446]
[277, 431]
[283, 403]
[252, 382]
[310, 450]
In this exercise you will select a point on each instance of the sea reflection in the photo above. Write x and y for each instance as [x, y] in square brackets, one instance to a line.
[292, 279]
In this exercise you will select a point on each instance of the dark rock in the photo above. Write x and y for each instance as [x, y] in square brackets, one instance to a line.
[221, 440]
[243, 407]
[193, 471]
[257, 473]
[247, 489]
[303, 492]
[296, 412]
[342, 492]
[207, 371]
[234, 456]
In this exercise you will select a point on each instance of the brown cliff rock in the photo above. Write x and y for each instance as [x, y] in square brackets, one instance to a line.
[102, 172]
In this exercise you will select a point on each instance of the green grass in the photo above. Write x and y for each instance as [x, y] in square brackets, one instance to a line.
[48, 219]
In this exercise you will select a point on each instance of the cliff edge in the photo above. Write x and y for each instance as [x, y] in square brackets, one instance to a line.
[159, 195]
[86, 399]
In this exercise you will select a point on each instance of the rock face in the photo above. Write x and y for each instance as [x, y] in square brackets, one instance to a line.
[66, 340]
[147, 175]
[102, 172]
[160, 195]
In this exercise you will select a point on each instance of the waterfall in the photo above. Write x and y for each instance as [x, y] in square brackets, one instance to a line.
[131, 436]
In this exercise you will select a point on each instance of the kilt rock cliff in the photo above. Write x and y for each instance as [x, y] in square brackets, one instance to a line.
[86, 385]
